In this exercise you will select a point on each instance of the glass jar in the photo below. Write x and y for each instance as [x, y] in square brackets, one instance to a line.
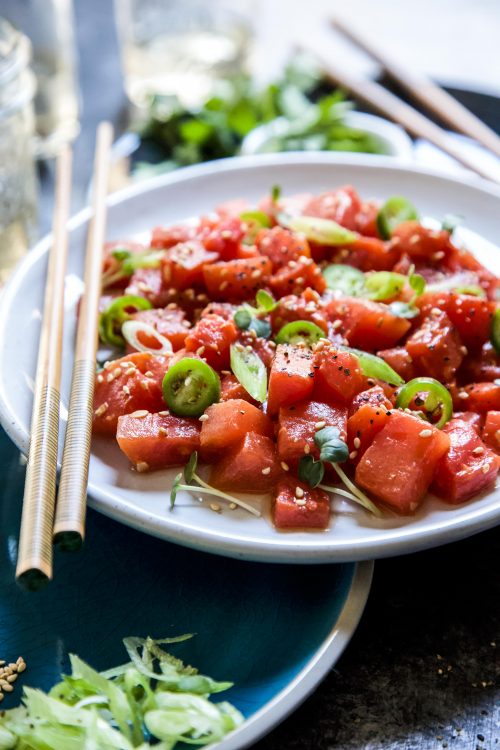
[18, 185]
[49, 25]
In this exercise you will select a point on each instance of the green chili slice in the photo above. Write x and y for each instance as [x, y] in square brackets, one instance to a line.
[346, 279]
[322, 231]
[394, 211]
[120, 310]
[383, 285]
[434, 397]
[190, 386]
[251, 372]
[255, 221]
[495, 331]
[375, 367]
[300, 331]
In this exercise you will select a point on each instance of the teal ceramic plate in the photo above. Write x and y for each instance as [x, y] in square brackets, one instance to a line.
[274, 630]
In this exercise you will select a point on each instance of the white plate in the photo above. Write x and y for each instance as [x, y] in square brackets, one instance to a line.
[142, 500]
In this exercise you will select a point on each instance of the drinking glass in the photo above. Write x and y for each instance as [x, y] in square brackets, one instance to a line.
[180, 47]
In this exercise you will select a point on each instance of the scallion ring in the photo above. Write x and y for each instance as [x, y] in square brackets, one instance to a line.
[346, 279]
[115, 315]
[394, 211]
[383, 285]
[300, 331]
[132, 330]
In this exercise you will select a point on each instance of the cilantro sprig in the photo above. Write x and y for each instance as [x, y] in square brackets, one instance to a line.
[248, 317]
[201, 487]
[332, 450]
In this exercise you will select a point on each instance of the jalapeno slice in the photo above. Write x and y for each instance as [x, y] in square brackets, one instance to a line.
[322, 231]
[120, 310]
[495, 331]
[300, 331]
[255, 221]
[383, 285]
[190, 386]
[434, 396]
[394, 211]
[346, 279]
[375, 367]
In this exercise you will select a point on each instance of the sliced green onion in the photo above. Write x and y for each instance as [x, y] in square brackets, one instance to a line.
[142, 260]
[120, 310]
[255, 221]
[375, 367]
[438, 397]
[394, 211]
[265, 302]
[251, 372]
[346, 279]
[131, 331]
[322, 231]
[383, 285]
[495, 331]
[190, 386]
[451, 283]
[300, 331]
[474, 290]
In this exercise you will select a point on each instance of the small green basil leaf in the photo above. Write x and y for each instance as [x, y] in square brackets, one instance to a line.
[242, 318]
[311, 471]
[275, 193]
[417, 283]
[332, 447]
[261, 327]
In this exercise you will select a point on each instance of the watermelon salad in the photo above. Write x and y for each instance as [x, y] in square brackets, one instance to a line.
[308, 347]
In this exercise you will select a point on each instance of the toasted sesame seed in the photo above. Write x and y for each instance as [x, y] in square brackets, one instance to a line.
[162, 431]
[463, 394]
[130, 371]
[140, 413]
[486, 468]
[336, 324]
[1, 696]
[414, 239]
[285, 466]
[189, 293]
[163, 413]
[320, 425]
[203, 418]
[2, 662]
[299, 492]
[188, 381]
[144, 385]
[352, 455]
[300, 501]
[307, 448]
[438, 256]
[223, 285]
[200, 351]
[425, 433]
[356, 442]
[12, 677]
[7, 688]
[477, 451]
[215, 507]
[267, 470]
[300, 280]
[110, 377]
[21, 667]
[101, 409]
[149, 374]
[497, 436]
[142, 466]
[256, 274]
[232, 506]
[172, 306]
[242, 411]
[435, 311]
[100, 378]
[126, 390]
[292, 264]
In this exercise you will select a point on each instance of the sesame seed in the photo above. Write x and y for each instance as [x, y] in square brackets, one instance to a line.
[438, 256]
[414, 239]
[464, 351]
[126, 390]
[163, 413]
[435, 311]
[336, 324]
[242, 411]
[149, 374]
[189, 293]
[172, 306]
[497, 436]
[100, 378]
[292, 264]
[223, 285]
[463, 394]
[239, 347]
[215, 507]
[300, 280]
[267, 470]
[307, 448]
[144, 385]
[352, 455]
[356, 442]
[12, 677]
[320, 425]
[300, 501]
[110, 378]
[7, 688]
[203, 418]
[477, 451]
[232, 506]
[256, 274]
[188, 381]
[486, 468]
[299, 492]
[162, 431]
[142, 466]
[285, 466]
[140, 413]
[426, 433]
[101, 409]
[200, 351]
[130, 371]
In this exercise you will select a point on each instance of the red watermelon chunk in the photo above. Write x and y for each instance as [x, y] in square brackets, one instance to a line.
[250, 466]
[299, 423]
[296, 505]
[228, 422]
[155, 441]
[291, 377]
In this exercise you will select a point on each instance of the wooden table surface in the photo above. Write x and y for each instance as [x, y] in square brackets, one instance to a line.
[422, 671]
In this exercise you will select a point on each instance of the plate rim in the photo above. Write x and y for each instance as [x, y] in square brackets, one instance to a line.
[304, 683]
[404, 540]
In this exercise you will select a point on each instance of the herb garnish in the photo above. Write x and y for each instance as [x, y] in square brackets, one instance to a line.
[333, 450]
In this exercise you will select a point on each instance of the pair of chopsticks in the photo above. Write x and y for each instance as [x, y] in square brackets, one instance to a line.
[44, 522]
[429, 94]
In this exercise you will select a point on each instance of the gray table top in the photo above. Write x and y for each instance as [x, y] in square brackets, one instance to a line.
[422, 671]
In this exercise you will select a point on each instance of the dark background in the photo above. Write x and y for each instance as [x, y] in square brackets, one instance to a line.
[422, 671]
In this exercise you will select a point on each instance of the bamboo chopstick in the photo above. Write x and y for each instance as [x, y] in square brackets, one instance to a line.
[69, 526]
[34, 563]
[395, 109]
[422, 88]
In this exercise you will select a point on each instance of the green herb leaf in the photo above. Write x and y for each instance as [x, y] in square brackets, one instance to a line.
[190, 467]
[417, 283]
[175, 489]
[332, 448]
[251, 372]
[242, 318]
[261, 327]
[311, 471]
[451, 222]
[383, 285]
[275, 193]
